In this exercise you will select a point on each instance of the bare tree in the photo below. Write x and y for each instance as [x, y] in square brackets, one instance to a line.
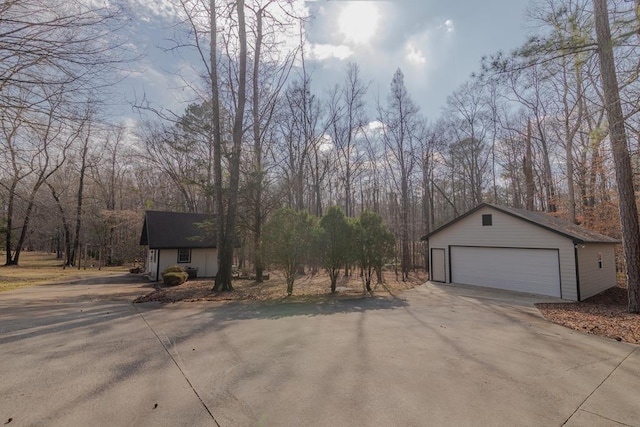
[301, 137]
[469, 124]
[400, 119]
[56, 43]
[36, 149]
[618, 137]
[347, 121]
[268, 77]
[53, 54]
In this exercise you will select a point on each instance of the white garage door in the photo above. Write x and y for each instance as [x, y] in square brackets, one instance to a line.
[534, 271]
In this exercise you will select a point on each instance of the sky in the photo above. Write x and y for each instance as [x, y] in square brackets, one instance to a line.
[436, 43]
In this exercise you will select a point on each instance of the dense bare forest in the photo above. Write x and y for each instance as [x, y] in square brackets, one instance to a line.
[533, 129]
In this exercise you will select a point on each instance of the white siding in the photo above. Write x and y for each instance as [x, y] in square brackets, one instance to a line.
[509, 232]
[438, 266]
[593, 279]
[166, 258]
[206, 260]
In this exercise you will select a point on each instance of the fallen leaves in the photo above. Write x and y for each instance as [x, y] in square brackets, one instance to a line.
[604, 315]
[275, 288]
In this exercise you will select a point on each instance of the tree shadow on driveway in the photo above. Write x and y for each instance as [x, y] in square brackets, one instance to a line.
[309, 307]
[51, 309]
[282, 308]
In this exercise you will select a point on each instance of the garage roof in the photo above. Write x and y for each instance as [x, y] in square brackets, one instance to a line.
[560, 226]
[171, 230]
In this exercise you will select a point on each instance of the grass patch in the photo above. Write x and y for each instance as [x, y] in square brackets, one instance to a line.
[39, 268]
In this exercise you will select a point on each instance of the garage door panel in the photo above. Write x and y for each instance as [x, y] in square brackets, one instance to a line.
[524, 270]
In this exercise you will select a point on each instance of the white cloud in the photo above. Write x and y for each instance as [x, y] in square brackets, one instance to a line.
[421, 48]
[414, 55]
[321, 52]
[159, 8]
[448, 26]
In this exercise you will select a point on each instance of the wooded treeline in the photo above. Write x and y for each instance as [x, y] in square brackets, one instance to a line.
[528, 130]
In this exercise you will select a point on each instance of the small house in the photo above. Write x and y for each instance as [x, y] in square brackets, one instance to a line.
[513, 249]
[179, 238]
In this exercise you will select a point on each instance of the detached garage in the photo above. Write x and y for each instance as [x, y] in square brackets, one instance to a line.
[517, 250]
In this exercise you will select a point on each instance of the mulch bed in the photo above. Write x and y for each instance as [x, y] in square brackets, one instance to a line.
[604, 314]
[306, 288]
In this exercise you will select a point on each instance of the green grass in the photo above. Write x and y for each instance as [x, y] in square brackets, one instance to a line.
[39, 268]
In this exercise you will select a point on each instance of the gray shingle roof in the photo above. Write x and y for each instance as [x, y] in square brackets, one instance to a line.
[560, 226]
[163, 230]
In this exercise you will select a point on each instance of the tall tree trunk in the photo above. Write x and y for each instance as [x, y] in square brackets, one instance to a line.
[25, 225]
[217, 139]
[65, 226]
[257, 152]
[404, 224]
[528, 171]
[571, 131]
[624, 172]
[225, 252]
[83, 168]
[8, 240]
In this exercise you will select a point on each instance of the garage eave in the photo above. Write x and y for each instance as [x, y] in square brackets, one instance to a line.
[578, 235]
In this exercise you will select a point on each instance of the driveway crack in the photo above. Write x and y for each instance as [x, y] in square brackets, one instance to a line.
[598, 386]
[177, 366]
[608, 419]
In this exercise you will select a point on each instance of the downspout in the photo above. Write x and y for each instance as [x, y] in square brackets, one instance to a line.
[575, 252]
[448, 272]
[158, 267]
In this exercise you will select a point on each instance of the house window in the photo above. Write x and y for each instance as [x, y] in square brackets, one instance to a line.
[599, 259]
[184, 255]
[487, 220]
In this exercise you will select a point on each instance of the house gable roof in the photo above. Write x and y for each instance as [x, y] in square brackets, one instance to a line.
[164, 230]
[578, 234]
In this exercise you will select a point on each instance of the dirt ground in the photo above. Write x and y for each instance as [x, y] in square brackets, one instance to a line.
[305, 287]
[604, 314]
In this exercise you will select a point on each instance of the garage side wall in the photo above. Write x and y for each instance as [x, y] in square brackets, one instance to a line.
[594, 279]
[507, 231]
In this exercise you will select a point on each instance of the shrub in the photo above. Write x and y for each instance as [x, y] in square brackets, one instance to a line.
[174, 275]
[173, 269]
[174, 278]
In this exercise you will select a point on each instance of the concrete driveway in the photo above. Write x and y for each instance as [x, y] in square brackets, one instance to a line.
[82, 354]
